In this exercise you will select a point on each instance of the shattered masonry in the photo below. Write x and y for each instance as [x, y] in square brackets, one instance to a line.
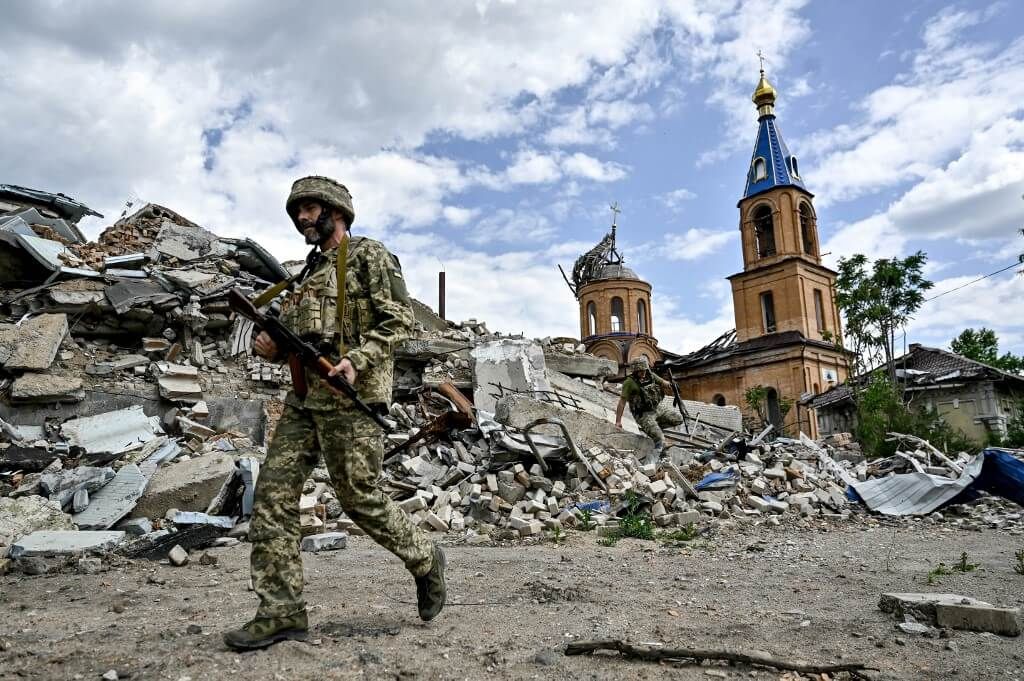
[133, 411]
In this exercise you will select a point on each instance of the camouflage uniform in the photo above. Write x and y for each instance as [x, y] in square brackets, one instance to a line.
[377, 316]
[646, 404]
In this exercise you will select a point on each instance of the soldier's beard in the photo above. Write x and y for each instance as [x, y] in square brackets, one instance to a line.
[316, 233]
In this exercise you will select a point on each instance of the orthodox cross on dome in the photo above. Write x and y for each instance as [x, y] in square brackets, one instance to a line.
[590, 265]
[760, 56]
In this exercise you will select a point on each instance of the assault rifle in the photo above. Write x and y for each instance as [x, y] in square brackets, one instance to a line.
[300, 353]
[678, 401]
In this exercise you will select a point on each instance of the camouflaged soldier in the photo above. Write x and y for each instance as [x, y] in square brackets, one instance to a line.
[644, 391]
[375, 316]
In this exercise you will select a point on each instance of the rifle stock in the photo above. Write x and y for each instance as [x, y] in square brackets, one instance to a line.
[308, 356]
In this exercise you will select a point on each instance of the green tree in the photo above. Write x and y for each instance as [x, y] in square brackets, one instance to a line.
[982, 345]
[877, 300]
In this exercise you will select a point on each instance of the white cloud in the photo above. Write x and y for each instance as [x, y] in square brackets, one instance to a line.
[679, 332]
[512, 226]
[695, 243]
[956, 95]
[582, 165]
[675, 199]
[531, 167]
[997, 303]
[458, 216]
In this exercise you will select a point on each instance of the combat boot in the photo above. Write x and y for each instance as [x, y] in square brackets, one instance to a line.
[430, 588]
[261, 632]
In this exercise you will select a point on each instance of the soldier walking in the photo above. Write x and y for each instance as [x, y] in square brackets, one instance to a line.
[644, 391]
[353, 304]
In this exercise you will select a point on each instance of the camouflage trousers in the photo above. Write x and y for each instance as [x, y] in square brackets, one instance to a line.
[352, 448]
[651, 422]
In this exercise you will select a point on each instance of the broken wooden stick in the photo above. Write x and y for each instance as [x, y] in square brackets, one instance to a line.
[655, 653]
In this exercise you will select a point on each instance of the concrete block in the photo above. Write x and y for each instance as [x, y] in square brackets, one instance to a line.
[657, 487]
[687, 517]
[25, 515]
[328, 541]
[531, 528]
[413, 504]
[513, 363]
[953, 611]
[778, 506]
[64, 542]
[436, 522]
[33, 344]
[114, 501]
[80, 501]
[62, 485]
[34, 388]
[1002, 621]
[187, 485]
[178, 556]
[586, 366]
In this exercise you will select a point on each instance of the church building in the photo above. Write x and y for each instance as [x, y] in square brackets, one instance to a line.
[787, 323]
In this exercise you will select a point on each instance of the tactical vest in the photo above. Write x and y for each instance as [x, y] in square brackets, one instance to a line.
[311, 312]
[648, 397]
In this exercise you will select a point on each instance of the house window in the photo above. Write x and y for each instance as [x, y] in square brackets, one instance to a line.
[618, 316]
[760, 169]
[819, 310]
[768, 312]
[764, 231]
[719, 400]
[807, 228]
[641, 317]
[591, 318]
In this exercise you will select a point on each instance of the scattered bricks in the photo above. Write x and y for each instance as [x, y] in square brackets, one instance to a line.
[658, 510]
[178, 556]
[552, 505]
[777, 473]
[568, 519]
[492, 482]
[657, 487]
[712, 506]
[758, 504]
[533, 506]
[759, 486]
[552, 524]
[328, 541]
[687, 517]
[778, 506]
[531, 528]
[436, 522]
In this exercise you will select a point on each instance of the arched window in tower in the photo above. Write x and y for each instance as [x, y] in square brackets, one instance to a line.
[618, 315]
[760, 169]
[807, 228]
[764, 231]
[794, 167]
[591, 318]
[641, 317]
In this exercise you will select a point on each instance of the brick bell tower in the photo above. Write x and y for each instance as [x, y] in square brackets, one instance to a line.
[615, 304]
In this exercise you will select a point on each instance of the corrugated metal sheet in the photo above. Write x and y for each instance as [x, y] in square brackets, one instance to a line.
[915, 493]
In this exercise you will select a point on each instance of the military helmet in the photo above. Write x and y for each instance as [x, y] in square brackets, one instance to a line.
[318, 188]
[639, 363]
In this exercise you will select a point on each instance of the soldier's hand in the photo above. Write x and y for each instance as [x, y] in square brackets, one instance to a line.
[265, 346]
[347, 371]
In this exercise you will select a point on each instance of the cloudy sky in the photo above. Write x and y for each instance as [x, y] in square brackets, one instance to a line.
[489, 138]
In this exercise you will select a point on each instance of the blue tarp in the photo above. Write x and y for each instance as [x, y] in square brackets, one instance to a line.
[712, 480]
[1002, 475]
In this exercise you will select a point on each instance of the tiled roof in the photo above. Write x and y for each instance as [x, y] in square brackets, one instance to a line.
[781, 168]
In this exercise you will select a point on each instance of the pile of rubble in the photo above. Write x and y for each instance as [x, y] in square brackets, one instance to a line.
[135, 416]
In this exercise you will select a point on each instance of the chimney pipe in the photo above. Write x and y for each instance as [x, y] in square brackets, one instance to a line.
[440, 295]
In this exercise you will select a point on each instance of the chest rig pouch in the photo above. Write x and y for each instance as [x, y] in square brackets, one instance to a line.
[312, 309]
[647, 398]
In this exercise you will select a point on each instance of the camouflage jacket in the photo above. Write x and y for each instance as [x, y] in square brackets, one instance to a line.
[377, 317]
[645, 394]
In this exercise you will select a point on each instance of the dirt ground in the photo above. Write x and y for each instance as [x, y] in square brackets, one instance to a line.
[798, 593]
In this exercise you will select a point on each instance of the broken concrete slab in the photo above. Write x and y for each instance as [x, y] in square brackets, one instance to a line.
[516, 365]
[186, 485]
[953, 611]
[198, 518]
[33, 388]
[115, 365]
[25, 515]
[179, 382]
[34, 343]
[188, 243]
[114, 501]
[113, 431]
[519, 410]
[327, 541]
[587, 366]
[62, 485]
[64, 542]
